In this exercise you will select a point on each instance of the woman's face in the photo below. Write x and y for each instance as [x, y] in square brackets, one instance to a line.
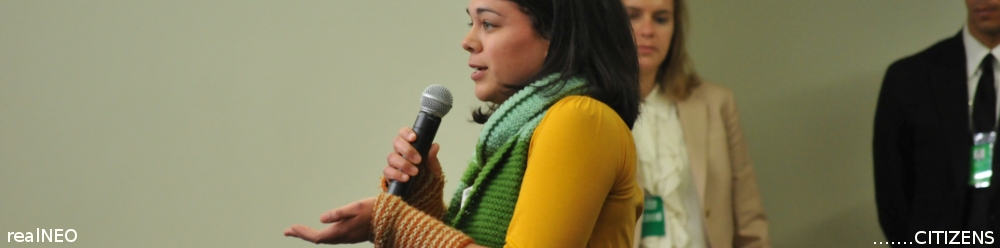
[653, 29]
[503, 48]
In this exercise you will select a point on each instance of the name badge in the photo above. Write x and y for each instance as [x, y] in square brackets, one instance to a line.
[653, 224]
[982, 159]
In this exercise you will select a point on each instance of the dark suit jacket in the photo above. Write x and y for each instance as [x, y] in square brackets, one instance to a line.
[922, 144]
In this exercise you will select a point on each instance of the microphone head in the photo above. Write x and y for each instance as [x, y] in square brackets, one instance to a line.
[436, 100]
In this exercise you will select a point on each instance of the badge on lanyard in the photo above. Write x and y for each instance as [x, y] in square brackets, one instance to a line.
[652, 217]
[982, 159]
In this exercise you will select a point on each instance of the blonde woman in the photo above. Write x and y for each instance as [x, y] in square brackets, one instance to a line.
[694, 166]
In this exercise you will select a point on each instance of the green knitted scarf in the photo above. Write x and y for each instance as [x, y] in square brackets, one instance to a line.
[500, 161]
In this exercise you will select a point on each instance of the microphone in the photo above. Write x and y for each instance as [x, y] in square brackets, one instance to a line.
[435, 102]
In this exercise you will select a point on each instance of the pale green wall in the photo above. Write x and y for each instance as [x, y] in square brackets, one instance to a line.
[220, 123]
[806, 75]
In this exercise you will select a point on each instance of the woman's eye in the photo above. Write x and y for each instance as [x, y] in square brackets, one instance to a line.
[485, 24]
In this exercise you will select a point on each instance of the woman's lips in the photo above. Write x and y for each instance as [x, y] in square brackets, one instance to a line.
[646, 49]
[479, 73]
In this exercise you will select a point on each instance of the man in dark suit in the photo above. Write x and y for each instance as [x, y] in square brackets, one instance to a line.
[930, 107]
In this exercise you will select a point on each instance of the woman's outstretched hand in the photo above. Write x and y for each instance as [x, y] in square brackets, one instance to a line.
[348, 224]
[352, 223]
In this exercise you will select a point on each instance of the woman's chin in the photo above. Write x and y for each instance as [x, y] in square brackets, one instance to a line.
[650, 68]
[482, 96]
[648, 63]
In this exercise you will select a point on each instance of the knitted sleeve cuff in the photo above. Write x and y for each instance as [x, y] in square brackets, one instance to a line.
[425, 193]
[396, 224]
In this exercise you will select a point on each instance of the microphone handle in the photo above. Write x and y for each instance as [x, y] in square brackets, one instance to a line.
[425, 127]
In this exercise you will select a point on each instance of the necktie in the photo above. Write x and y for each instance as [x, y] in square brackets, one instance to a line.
[984, 104]
[978, 211]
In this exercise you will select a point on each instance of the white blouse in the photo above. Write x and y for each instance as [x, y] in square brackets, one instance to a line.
[665, 171]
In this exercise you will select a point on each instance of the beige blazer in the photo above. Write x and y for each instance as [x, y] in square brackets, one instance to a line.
[732, 212]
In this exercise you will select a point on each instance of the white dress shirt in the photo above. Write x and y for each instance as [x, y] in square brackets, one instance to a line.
[974, 54]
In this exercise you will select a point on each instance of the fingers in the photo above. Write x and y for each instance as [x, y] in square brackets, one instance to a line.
[404, 148]
[391, 173]
[303, 232]
[340, 214]
[403, 160]
[408, 134]
[348, 224]
[328, 235]
[401, 170]
[398, 162]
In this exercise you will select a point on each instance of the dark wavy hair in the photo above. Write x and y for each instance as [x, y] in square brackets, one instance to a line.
[587, 39]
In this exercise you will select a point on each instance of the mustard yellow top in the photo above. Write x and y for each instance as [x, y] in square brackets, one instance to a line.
[579, 189]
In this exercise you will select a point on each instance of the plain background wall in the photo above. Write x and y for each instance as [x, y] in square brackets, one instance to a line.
[806, 75]
[221, 123]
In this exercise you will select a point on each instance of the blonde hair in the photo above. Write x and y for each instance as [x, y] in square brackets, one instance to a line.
[676, 75]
